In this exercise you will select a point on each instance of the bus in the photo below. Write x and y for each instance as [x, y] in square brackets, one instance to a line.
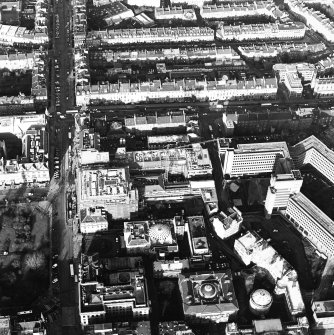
[71, 269]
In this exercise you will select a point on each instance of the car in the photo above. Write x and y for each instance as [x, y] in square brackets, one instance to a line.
[275, 231]
[54, 265]
[55, 256]
[55, 280]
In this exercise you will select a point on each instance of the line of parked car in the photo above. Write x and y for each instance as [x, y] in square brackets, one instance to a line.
[57, 164]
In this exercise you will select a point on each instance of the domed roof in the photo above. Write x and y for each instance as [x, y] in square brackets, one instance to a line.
[160, 233]
[261, 297]
[208, 290]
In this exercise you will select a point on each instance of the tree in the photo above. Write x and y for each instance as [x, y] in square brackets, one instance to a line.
[34, 261]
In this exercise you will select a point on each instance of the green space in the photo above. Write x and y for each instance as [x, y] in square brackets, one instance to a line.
[24, 251]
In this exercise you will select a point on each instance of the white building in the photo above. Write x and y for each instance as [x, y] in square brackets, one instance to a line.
[213, 53]
[253, 159]
[109, 188]
[266, 50]
[227, 224]
[149, 35]
[312, 223]
[281, 187]
[148, 123]
[17, 61]
[92, 220]
[14, 173]
[312, 151]
[14, 35]
[195, 3]
[269, 31]
[235, 10]
[251, 248]
[222, 89]
[143, 3]
[175, 13]
[314, 19]
[93, 156]
[324, 87]
[190, 162]
[295, 76]
[122, 294]
[170, 268]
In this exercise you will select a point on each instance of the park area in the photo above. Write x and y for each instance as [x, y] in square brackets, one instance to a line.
[24, 254]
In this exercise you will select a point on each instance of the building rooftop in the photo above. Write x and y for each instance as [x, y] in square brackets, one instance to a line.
[310, 209]
[104, 183]
[208, 293]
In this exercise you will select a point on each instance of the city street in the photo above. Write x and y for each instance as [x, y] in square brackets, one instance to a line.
[62, 235]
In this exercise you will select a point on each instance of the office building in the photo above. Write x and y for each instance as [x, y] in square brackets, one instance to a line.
[20, 125]
[193, 161]
[299, 326]
[109, 188]
[227, 224]
[295, 76]
[282, 186]
[149, 35]
[312, 151]
[156, 90]
[312, 223]
[175, 13]
[253, 158]
[253, 249]
[208, 297]
[92, 220]
[316, 20]
[122, 294]
[264, 31]
[235, 10]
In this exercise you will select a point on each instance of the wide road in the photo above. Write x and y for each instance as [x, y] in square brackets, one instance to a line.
[62, 232]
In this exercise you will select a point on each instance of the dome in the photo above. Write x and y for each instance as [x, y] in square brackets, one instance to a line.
[160, 233]
[260, 302]
[208, 291]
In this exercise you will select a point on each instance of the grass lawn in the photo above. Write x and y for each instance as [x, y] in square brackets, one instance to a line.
[24, 273]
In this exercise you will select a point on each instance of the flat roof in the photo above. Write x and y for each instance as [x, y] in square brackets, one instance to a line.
[312, 210]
